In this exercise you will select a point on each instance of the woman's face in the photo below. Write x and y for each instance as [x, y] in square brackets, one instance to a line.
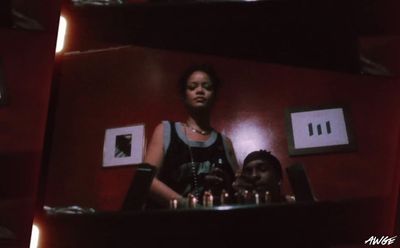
[199, 90]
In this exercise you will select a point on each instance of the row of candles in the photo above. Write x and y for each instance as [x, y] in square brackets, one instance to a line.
[224, 198]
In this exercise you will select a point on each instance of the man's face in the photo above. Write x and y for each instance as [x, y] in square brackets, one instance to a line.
[261, 174]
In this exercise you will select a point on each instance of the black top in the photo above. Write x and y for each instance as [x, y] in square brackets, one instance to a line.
[177, 169]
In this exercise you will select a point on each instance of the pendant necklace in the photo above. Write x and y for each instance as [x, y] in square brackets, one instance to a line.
[194, 130]
[193, 167]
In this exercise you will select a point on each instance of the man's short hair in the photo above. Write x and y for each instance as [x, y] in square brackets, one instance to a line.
[265, 156]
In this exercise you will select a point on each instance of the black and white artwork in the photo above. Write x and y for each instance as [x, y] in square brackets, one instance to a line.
[123, 146]
[318, 130]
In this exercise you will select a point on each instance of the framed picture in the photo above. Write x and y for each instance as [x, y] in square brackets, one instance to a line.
[318, 130]
[3, 96]
[124, 146]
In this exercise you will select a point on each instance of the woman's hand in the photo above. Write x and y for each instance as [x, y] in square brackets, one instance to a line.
[243, 182]
[217, 179]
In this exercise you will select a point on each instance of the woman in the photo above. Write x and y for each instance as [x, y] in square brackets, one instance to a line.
[191, 156]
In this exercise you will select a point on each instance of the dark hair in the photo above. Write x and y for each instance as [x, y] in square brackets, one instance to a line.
[206, 68]
[265, 156]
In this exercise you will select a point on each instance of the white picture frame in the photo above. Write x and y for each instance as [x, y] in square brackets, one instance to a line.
[318, 130]
[124, 145]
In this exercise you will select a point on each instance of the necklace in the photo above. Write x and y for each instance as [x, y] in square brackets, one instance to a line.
[193, 167]
[194, 130]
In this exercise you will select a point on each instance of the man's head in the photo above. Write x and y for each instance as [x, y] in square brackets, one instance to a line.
[263, 170]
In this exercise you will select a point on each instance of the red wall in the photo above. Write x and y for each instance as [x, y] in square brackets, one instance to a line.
[27, 59]
[100, 90]
[27, 68]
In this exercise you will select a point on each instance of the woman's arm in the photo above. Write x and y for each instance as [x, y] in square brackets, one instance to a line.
[162, 194]
[159, 191]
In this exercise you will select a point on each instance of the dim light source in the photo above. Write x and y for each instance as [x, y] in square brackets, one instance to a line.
[62, 29]
[250, 134]
[34, 237]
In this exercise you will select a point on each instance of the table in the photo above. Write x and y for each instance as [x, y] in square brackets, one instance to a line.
[318, 224]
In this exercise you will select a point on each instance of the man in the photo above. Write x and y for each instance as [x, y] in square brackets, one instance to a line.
[261, 173]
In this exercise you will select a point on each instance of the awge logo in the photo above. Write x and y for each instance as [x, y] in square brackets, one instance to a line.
[384, 240]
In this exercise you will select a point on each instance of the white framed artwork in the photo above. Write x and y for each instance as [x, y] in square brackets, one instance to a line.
[318, 130]
[124, 145]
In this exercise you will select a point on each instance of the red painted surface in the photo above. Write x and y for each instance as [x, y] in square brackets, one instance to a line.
[27, 68]
[120, 88]
[136, 85]
[27, 59]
